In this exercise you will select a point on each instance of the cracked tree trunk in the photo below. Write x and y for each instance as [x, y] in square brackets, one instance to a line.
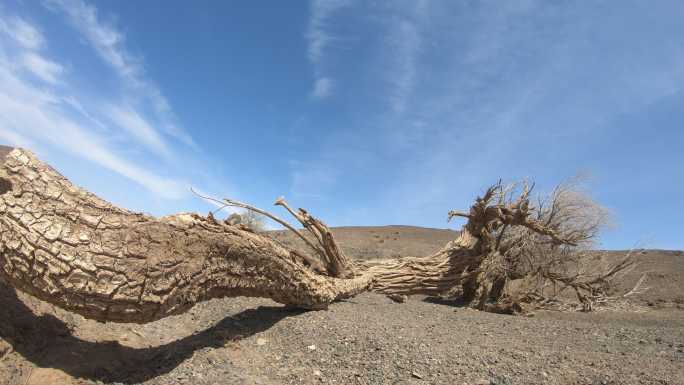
[66, 246]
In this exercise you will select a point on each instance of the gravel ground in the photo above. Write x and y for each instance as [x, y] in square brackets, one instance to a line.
[366, 340]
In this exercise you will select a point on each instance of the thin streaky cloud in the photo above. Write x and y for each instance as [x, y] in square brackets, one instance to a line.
[319, 39]
[48, 123]
[408, 109]
[31, 115]
[401, 25]
[318, 36]
[105, 39]
[405, 39]
[109, 44]
[322, 88]
[78, 107]
[22, 32]
[44, 69]
[130, 120]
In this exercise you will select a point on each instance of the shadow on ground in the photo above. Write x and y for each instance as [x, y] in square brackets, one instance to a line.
[453, 302]
[48, 341]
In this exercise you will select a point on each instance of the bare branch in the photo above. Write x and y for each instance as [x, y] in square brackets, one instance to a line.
[337, 262]
[234, 203]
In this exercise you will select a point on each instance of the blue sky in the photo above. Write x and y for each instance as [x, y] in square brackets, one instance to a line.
[366, 113]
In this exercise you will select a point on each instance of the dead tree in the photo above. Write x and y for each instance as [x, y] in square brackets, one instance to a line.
[68, 247]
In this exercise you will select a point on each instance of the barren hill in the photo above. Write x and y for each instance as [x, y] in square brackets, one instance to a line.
[368, 242]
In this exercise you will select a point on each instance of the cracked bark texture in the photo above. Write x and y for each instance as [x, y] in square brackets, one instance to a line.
[432, 275]
[68, 247]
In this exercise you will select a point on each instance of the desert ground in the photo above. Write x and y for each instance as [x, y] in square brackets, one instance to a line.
[365, 340]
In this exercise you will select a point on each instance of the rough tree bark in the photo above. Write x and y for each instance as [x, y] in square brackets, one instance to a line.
[68, 247]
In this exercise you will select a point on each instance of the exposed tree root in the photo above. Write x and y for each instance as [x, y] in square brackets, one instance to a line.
[68, 247]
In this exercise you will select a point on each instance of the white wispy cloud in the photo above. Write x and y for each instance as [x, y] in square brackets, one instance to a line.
[400, 49]
[477, 91]
[22, 32]
[109, 43]
[525, 75]
[318, 36]
[129, 119]
[319, 40]
[46, 70]
[395, 66]
[38, 110]
[20, 35]
[404, 40]
[28, 114]
[104, 38]
[322, 88]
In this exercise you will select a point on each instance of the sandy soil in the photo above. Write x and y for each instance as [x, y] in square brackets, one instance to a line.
[366, 340]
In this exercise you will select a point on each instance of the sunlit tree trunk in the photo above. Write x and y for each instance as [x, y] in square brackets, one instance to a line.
[70, 248]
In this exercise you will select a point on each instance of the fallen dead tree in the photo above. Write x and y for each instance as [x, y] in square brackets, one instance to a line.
[68, 247]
